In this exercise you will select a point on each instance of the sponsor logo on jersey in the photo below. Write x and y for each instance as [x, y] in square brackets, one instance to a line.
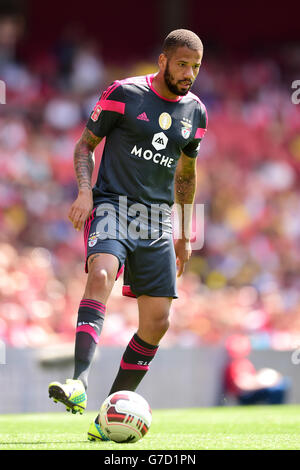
[165, 121]
[157, 157]
[160, 141]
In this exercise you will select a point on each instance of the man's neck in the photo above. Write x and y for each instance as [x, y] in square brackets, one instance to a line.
[161, 88]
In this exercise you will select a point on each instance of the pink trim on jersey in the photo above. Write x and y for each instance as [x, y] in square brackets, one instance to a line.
[200, 133]
[110, 89]
[139, 80]
[90, 330]
[121, 270]
[195, 97]
[111, 105]
[205, 114]
[127, 292]
[87, 228]
[125, 365]
[125, 81]
[150, 80]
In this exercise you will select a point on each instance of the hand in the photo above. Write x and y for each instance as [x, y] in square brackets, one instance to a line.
[81, 208]
[183, 253]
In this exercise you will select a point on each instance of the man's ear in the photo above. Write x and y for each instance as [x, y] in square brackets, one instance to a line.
[162, 62]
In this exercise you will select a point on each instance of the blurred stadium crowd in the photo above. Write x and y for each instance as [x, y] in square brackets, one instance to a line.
[246, 277]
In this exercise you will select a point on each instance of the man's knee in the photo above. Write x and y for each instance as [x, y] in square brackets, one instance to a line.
[99, 276]
[156, 325]
[161, 324]
[101, 273]
[153, 317]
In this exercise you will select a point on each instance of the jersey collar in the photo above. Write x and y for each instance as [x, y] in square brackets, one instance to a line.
[149, 79]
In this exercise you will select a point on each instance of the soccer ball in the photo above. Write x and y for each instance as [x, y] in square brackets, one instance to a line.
[125, 416]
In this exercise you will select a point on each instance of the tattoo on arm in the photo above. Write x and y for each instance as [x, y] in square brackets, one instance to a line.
[185, 187]
[185, 181]
[84, 158]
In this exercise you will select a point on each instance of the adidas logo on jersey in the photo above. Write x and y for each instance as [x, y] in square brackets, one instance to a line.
[143, 117]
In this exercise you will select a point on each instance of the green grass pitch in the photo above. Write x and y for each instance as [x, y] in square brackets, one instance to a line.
[225, 428]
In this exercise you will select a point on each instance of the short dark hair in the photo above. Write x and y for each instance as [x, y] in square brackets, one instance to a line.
[181, 38]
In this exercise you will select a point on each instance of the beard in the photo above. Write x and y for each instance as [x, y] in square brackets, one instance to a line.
[174, 87]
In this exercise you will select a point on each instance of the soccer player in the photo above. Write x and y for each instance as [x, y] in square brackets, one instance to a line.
[153, 126]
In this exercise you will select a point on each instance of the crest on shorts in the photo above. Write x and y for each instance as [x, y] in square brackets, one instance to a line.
[93, 239]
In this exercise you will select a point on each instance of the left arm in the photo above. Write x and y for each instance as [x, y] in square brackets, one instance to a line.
[185, 188]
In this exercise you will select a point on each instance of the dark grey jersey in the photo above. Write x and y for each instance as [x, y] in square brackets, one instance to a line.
[145, 136]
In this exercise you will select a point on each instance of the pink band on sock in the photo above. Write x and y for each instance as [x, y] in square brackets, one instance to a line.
[93, 304]
[141, 349]
[90, 330]
[125, 365]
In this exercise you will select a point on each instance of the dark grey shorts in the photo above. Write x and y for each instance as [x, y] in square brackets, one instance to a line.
[150, 263]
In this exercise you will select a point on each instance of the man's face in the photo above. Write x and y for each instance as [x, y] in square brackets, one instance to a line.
[181, 70]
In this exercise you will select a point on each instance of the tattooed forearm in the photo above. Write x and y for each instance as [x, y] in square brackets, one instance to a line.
[185, 188]
[185, 181]
[84, 165]
[84, 159]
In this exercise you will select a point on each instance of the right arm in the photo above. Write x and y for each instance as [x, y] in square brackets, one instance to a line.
[105, 116]
[84, 165]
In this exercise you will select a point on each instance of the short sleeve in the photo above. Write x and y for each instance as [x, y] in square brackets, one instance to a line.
[193, 147]
[108, 110]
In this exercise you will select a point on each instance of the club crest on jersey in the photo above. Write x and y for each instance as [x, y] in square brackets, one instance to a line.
[165, 121]
[186, 132]
[186, 128]
[96, 112]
